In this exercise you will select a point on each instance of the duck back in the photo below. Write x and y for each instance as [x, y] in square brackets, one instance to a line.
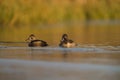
[36, 43]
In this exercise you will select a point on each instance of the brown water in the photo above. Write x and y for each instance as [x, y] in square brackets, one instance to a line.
[91, 32]
[97, 56]
[84, 62]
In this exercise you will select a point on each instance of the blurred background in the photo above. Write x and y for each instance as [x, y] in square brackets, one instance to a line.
[93, 24]
[85, 21]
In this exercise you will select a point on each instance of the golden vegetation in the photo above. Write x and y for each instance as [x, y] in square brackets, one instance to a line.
[20, 18]
[27, 12]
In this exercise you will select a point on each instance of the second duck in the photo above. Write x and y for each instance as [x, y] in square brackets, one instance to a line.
[66, 42]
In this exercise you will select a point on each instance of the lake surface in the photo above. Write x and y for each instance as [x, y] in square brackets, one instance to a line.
[84, 62]
[90, 32]
[97, 56]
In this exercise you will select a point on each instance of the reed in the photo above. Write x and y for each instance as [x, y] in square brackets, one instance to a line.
[49, 19]
[27, 12]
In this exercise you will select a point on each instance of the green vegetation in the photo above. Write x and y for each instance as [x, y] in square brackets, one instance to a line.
[27, 12]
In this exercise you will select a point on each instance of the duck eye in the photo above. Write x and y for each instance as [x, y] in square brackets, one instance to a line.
[31, 38]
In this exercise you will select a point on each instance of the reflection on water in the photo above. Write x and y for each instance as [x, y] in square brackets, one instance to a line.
[55, 53]
[84, 62]
[41, 70]
[97, 33]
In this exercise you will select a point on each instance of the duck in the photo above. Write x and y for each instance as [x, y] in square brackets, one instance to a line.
[33, 42]
[66, 42]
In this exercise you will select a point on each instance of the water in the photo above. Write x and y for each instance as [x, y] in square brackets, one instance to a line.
[84, 62]
[91, 32]
[41, 70]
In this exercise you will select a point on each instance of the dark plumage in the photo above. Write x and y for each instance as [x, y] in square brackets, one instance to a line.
[66, 42]
[33, 42]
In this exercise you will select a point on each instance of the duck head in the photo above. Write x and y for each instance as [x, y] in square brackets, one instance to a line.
[64, 37]
[31, 38]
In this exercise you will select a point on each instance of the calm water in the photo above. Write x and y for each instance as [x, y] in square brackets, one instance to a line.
[97, 56]
[84, 62]
[92, 32]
